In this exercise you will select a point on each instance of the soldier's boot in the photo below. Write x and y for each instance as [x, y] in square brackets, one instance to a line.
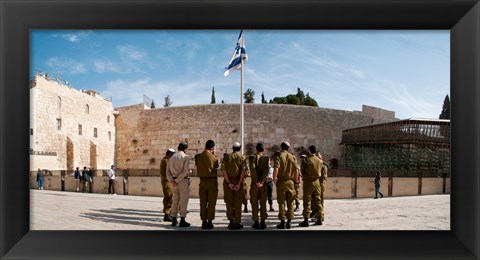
[204, 224]
[297, 208]
[256, 225]
[174, 222]
[304, 223]
[231, 225]
[281, 225]
[167, 218]
[271, 208]
[262, 224]
[238, 226]
[319, 221]
[209, 224]
[183, 223]
[312, 214]
[289, 224]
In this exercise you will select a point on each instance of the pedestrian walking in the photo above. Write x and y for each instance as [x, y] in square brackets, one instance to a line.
[86, 179]
[378, 181]
[77, 175]
[40, 175]
[111, 180]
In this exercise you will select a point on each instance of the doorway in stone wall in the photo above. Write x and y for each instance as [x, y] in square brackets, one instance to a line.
[70, 155]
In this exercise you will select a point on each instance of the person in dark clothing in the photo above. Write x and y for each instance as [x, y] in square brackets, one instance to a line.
[378, 180]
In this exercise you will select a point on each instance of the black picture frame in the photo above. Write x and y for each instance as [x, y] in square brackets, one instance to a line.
[18, 17]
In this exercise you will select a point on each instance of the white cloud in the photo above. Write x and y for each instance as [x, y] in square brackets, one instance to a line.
[74, 37]
[132, 53]
[101, 66]
[358, 73]
[65, 65]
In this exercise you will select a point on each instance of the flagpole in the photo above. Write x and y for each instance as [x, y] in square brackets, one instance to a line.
[241, 103]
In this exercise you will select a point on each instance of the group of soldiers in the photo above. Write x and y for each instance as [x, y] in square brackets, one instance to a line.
[287, 176]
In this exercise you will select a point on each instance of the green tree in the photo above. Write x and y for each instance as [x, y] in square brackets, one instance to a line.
[264, 101]
[309, 101]
[445, 114]
[168, 102]
[301, 96]
[295, 99]
[278, 100]
[249, 96]
[152, 105]
[213, 101]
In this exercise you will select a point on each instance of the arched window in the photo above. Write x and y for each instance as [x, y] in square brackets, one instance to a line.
[108, 119]
[87, 109]
[59, 102]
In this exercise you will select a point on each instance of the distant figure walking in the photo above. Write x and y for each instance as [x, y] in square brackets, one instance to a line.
[111, 180]
[77, 175]
[86, 179]
[40, 179]
[378, 180]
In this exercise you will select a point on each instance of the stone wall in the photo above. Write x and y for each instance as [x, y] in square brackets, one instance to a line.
[337, 187]
[51, 100]
[144, 134]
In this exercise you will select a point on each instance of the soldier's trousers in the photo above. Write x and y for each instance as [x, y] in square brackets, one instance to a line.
[285, 197]
[297, 194]
[233, 200]
[323, 187]
[258, 195]
[311, 198]
[181, 192]
[167, 197]
[208, 193]
[245, 199]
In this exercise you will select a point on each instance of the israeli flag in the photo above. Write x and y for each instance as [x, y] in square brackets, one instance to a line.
[238, 54]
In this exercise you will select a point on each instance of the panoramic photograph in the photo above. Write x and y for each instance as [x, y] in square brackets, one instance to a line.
[240, 130]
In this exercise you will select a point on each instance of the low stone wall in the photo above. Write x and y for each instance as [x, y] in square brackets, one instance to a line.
[432, 186]
[337, 187]
[404, 187]
[366, 187]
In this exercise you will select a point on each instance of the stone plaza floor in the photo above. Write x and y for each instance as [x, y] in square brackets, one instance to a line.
[55, 210]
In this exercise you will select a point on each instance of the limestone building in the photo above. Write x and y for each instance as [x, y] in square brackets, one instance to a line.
[69, 127]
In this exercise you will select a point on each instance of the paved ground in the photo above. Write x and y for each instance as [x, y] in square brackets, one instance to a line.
[53, 210]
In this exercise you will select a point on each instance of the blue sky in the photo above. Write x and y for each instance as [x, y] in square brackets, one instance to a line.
[404, 71]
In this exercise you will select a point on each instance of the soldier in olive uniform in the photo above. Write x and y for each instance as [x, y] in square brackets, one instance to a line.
[166, 186]
[259, 167]
[207, 164]
[323, 184]
[285, 175]
[311, 172]
[233, 168]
